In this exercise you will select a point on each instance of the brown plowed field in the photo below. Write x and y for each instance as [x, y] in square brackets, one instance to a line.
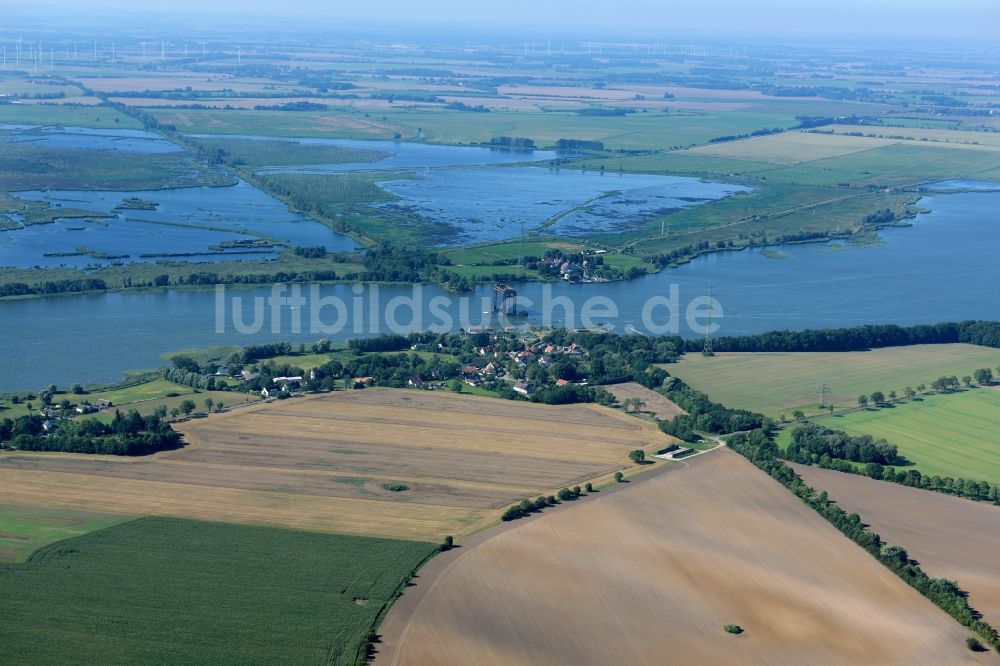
[949, 536]
[650, 575]
[656, 404]
[325, 462]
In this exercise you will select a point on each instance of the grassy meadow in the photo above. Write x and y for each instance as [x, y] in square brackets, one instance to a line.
[77, 116]
[25, 529]
[954, 434]
[169, 591]
[779, 383]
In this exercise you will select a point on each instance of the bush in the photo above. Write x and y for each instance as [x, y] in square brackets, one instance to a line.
[733, 629]
[619, 477]
[396, 487]
[638, 456]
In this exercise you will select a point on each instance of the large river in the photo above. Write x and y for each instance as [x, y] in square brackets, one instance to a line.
[943, 268]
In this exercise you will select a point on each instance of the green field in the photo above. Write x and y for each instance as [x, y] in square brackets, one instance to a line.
[145, 397]
[953, 434]
[78, 116]
[25, 166]
[260, 153]
[23, 530]
[778, 383]
[169, 591]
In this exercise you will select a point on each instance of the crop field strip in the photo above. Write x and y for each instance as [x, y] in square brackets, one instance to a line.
[949, 536]
[656, 403]
[778, 383]
[790, 147]
[325, 463]
[672, 560]
[173, 592]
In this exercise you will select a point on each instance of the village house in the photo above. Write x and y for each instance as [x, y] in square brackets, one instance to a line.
[523, 387]
[288, 383]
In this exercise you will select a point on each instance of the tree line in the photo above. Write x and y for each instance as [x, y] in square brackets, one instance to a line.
[859, 338]
[128, 435]
[979, 491]
[812, 441]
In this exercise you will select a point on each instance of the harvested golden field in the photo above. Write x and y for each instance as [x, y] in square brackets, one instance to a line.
[650, 575]
[790, 147]
[654, 403]
[414, 464]
[949, 536]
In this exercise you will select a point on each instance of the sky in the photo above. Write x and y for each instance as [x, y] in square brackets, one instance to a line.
[978, 19]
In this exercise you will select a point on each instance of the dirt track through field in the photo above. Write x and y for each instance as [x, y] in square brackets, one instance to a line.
[949, 536]
[649, 575]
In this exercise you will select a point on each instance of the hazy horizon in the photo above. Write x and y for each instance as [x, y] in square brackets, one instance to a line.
[973, 19]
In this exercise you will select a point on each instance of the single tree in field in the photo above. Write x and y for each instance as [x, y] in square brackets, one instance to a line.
[892, 396]
[878, 398]
[799, 415]
[618, 477]
[175, 412]
[208, 404]
[984, 376]
[967, 381]
[218, 406]
[637, 405]
[921, 388]
[909, 392]
[862, 401]
[638, 456]
[187, 407]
